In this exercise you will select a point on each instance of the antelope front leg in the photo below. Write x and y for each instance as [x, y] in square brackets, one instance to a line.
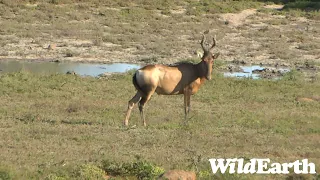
[185, 106]
[187, 95]
[188, 102]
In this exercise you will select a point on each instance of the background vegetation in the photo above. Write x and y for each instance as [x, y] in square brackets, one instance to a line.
[162, 31]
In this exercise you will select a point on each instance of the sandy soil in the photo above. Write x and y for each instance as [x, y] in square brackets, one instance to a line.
[253, 37]
[237, 19]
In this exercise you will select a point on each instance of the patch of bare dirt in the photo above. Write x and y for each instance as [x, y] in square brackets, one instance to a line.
[178, 10]
[265, 38]
[250, 36]
[178, 174]
[274, 6]
[308, 99]
[237, 19]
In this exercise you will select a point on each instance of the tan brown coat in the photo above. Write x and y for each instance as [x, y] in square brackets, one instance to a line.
[182, 78]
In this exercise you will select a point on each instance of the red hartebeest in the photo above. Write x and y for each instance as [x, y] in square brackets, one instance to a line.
[183, 78]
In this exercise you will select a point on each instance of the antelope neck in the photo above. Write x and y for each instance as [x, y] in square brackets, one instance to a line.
[200, 70]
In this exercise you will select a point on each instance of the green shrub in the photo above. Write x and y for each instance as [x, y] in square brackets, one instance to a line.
[5, 174]
[88, 172]
[54, 177]
[140, 169]
[292, 75]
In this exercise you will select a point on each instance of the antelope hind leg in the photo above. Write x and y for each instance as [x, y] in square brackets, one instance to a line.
[142, 102]
[131, 104]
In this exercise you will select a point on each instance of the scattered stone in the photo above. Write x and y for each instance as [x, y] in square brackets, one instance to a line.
[308, 99]
[306, 66]
[316, 98]
[71, 73]
[239, 62]
[52, 46]
[105, 75]
[56, 61]
[178, 175]
[285, 64]
[274, 6]
[233, 68]
[271, 73]
[304, 99]
[259, 70]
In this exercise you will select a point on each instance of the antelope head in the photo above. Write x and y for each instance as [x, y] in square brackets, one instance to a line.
[208, 57]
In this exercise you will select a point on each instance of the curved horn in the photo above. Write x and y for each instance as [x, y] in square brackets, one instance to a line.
[213, 43]
[202, 43]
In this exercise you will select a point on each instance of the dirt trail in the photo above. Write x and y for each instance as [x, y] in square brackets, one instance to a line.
[237, 19]
[271, 39]
[274, 6]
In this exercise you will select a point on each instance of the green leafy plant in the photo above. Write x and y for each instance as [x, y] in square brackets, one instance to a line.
[141, 169]
[89, 171]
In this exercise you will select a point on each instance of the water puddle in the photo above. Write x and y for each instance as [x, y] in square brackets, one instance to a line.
[83, 69]
[96, 69]
[242, 75]
[256, 72]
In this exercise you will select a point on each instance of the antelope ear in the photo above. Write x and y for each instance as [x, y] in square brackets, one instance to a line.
[216, 55]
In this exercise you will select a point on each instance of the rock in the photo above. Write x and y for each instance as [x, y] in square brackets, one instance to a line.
[285, 65]
[239, 62]
[71, 72]
[105, 74]
[56, 61]
[178, 175]
[308, 99]
[304, 99]
[316, 98]
[233, 68]
[52, 46]
[259, 70]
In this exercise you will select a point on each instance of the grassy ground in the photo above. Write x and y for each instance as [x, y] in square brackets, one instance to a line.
[51, 124]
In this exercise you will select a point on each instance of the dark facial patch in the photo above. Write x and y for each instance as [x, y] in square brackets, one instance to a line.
[207, 56]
